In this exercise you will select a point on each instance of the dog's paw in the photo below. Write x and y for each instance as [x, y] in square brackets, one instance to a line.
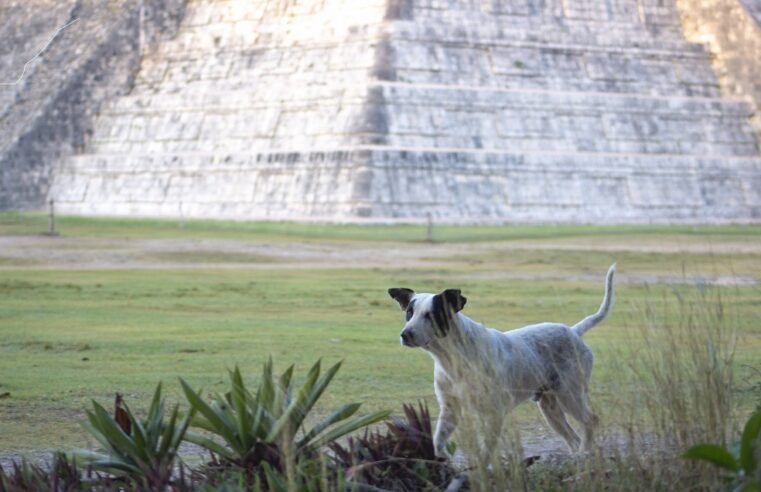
[442, 452]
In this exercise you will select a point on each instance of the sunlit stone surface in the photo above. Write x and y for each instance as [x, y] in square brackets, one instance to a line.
[468, 110]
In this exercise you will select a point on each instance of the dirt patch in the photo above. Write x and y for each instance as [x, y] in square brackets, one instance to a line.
[635, 278]
[209, 256]
[40, 252]
[536, 442]
[75, 253]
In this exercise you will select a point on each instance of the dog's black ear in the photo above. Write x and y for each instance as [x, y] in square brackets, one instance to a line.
[455, 299]
[401, 295]
[443, 308]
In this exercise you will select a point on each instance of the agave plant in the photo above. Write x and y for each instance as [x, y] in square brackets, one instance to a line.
[268, 426]
[142, 450]
[402, 458]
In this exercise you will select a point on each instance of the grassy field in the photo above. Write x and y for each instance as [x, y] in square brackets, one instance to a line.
[69, 335]
[35, 223]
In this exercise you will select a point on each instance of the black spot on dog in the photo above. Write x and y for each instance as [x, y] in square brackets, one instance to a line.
[440, 316]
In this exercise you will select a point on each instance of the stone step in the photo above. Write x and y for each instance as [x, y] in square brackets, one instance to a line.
[508, 142]
[173, 161]
[519, 65]
[193, 41]
[408, 53]
[564, 187]
[652, 18]
[515, 144]
[423, 116]
[207, 43]
[252, 69]
[565, 122]
[283, 14]
[549, 32]
[612, 11]
[210, 96]
[564, 68]
[647, 12]
[409, 183]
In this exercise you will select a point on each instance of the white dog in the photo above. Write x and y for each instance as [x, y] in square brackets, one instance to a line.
[479, 369]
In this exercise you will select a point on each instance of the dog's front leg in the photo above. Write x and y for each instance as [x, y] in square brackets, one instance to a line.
[444, 427]
[448, 407]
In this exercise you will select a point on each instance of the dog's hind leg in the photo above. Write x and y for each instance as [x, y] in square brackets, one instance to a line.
[552, 412]
[577, 405]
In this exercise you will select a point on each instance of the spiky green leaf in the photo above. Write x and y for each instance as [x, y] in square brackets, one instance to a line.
[109, 465]
[751, 437]
[313, 393]
[342, 413]
[113, 432]
[217, 423]
[238, 401]
[90, 426]
[211, 445]
[275, 481]
[713, 454]
[351, 426]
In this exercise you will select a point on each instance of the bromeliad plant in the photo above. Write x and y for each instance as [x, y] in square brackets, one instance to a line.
[144, 451]
[268, 426]
[402, 458]
[63, 475]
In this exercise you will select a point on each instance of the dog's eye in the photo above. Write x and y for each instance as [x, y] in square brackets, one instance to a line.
[409, 314]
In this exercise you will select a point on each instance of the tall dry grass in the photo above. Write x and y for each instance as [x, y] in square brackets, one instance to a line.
[675, 388]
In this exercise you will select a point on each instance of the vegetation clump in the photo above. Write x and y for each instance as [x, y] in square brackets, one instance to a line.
[264, 432]
[675, 389]
[401, 458]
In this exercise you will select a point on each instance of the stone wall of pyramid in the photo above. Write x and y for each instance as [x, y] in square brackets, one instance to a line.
[60, 61]
[467, 110]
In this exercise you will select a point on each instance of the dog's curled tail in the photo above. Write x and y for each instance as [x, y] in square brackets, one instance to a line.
[607, 302]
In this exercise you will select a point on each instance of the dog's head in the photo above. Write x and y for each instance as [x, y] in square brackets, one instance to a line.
[428, 316]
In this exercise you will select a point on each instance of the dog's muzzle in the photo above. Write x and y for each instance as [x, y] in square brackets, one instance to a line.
[406, 338]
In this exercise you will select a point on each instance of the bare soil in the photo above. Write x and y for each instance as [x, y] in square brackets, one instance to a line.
[55, 253]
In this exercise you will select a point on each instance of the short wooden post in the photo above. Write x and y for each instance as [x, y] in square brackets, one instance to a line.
[429, 231]
[51, 218]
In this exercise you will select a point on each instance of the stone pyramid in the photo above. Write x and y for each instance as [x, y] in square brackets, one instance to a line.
[467, 110]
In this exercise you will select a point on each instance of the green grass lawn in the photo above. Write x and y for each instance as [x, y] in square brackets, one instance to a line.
[35, 223]
[68, 336]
